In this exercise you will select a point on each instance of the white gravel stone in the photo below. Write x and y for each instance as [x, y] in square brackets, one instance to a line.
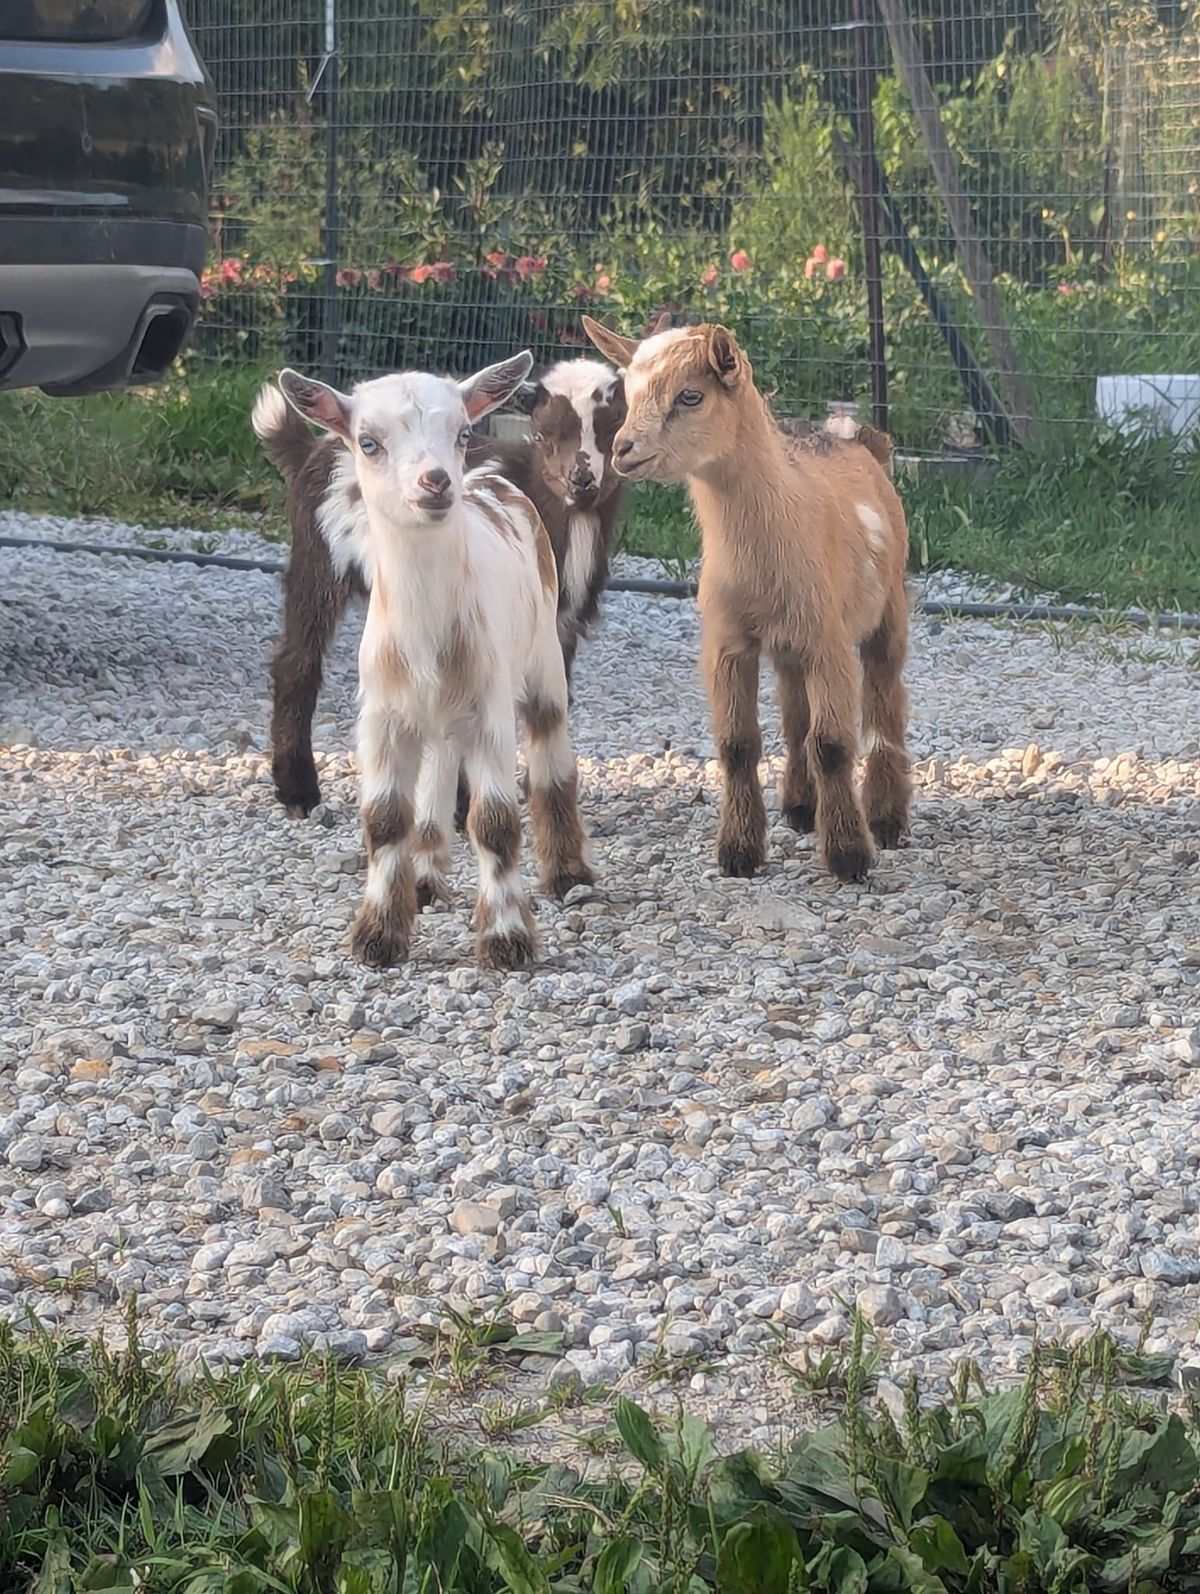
[715, 1111]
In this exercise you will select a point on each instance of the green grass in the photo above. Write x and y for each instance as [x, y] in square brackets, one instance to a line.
[118, 1474]
[1091, 520]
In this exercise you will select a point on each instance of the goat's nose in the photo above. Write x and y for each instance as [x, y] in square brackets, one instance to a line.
[435, 482]
[622, 448]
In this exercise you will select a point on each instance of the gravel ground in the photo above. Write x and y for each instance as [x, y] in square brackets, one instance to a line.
[718, 1112]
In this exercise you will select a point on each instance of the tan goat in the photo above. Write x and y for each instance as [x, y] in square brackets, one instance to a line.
[804, 552]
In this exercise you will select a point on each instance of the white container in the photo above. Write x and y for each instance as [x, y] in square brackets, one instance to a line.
[1163, 406]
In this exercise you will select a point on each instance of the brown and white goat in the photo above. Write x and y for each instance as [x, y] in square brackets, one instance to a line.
[804, 552]
[574, 407]
[460, 638]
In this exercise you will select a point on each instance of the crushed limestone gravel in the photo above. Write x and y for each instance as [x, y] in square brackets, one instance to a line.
[716, 1115]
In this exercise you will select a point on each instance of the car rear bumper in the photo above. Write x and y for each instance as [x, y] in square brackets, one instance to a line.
[77, 329]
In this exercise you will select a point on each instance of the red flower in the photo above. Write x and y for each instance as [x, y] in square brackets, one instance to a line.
[603, 284]
[835, 270]
[810, 268]
[349, 277]
[709, 277]
[497, 257]
[530, 266]
[420, 274]
[443, 271]
[820, 254]
[375, 280]
[1068, 287]
[230, 271]
[208, 288]
[740, 260]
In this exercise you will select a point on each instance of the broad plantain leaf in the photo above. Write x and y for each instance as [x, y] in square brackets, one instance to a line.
[638, 1432]
[757, 1556]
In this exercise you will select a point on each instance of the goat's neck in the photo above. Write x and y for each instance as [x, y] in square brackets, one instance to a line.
[733, 491]
[417, 575]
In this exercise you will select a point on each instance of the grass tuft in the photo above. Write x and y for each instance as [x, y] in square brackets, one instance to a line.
[118, 1473]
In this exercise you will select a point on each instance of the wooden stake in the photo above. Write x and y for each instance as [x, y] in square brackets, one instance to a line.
[975, 263]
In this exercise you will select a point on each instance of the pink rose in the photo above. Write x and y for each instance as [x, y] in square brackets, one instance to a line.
[740, 260]
[420, 274]
[443, 271]
[810, 269]
[835, 270]
[708, 277]
[820, 254]
[349, 277]
[530, 266]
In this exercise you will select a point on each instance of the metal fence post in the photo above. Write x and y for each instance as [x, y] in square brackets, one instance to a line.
[332, 222]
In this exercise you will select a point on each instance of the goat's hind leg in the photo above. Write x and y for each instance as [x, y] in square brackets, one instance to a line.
[390, 759]
[558, 834]
[504, 925]
[314, 600]
[440, 772]
[887, 784]
[797, 792]
[731, 673]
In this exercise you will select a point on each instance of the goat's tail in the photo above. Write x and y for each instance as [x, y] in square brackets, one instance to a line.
[281, 431]
[878, 444]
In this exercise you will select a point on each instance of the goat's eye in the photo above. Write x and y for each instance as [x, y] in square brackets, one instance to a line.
[464, 437]
[368, 445]
[539, 437]
[689, 398]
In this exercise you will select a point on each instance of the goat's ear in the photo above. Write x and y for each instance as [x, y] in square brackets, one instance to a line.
[657, 323]
[611, 344]
[322, 405]
[494, 385]
[729, 364]
[529, 395]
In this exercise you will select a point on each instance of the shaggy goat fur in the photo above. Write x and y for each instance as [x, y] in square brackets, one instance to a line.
[804, 552]
[460, 638]
[574, 408]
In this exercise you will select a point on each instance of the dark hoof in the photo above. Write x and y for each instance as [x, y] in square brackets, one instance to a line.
[377, 947]
[801, 817]
[740, 862]
[427, 895]
[567, 879]
[511, 950]
[889, 830]
[298, 801]
[851, 864]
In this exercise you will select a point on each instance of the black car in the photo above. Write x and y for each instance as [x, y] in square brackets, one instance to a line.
[107, 130]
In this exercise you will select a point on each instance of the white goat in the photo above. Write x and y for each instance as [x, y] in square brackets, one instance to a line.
[460, 634]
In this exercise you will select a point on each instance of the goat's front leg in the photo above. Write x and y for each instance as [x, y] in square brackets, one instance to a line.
[833, 692]
[558, 835]
[730, 666]
[436, 791]
[503, 918]
[797, 794]
[390, 757]
[314, 599]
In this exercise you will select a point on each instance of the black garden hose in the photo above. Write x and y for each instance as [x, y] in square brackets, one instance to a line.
[950, 609]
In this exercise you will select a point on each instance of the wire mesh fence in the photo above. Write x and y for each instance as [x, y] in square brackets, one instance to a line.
[438, 182]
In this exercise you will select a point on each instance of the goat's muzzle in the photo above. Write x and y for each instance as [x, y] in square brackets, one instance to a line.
[436, 491]
[584, 490]
[623, 461]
